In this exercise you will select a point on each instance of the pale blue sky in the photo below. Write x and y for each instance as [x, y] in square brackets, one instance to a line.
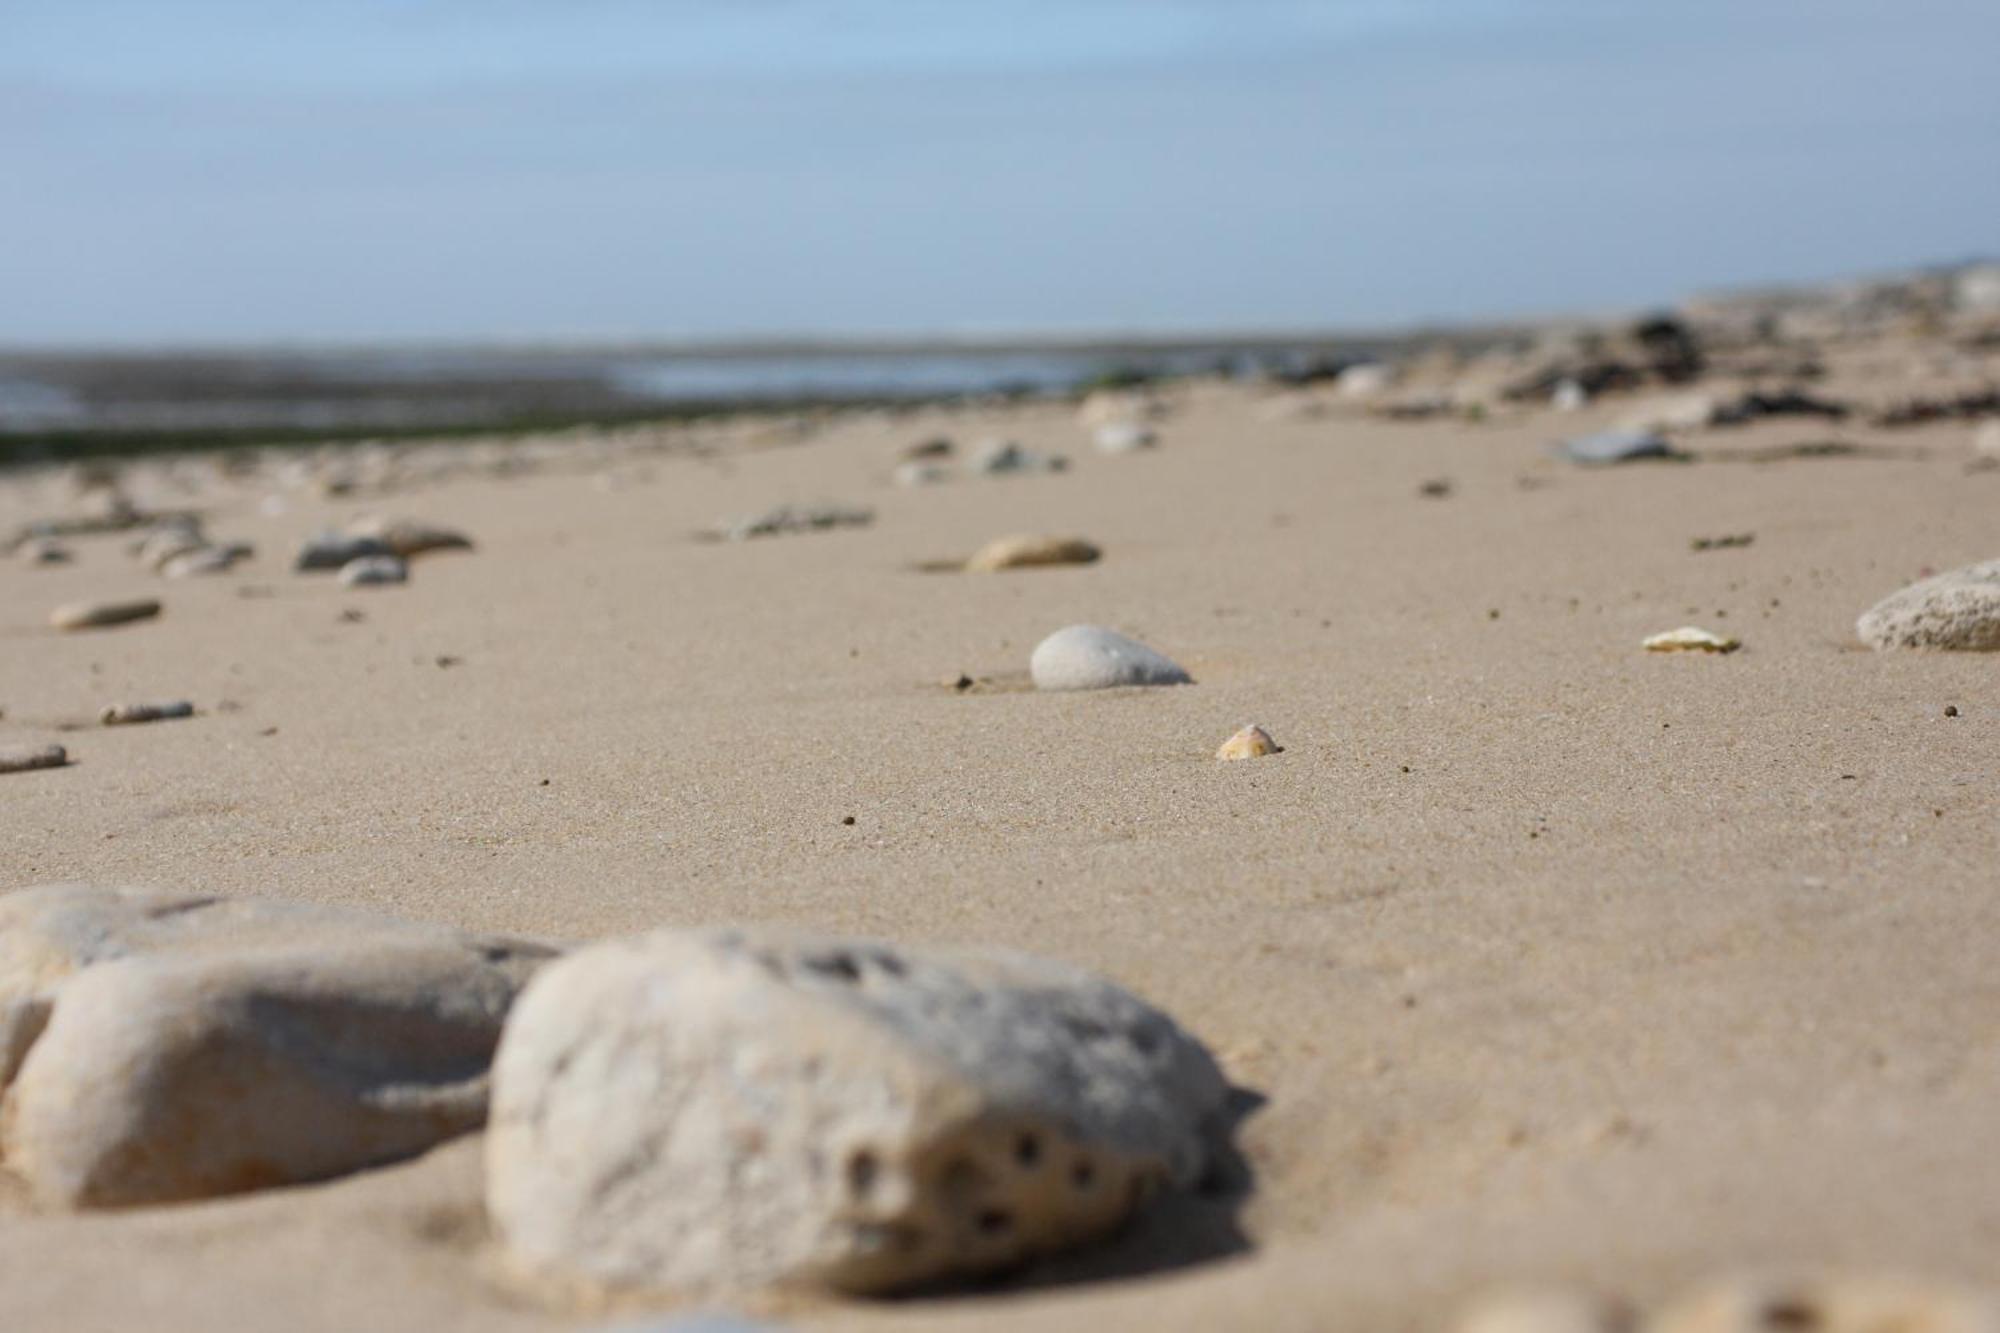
[240, 170]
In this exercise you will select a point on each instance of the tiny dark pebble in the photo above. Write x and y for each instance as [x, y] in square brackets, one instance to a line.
[1847, 777]
[449, 661]
[964, 682]
[353, 615]
[848, 820]
[1435, 490]
[1951, 710]
[544, 782]
[1493, 614]
[268, 731]
[1406, 768]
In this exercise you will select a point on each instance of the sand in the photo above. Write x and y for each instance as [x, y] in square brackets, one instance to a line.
[1551, 959]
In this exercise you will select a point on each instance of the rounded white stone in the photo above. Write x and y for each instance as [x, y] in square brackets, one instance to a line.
[1090, 657]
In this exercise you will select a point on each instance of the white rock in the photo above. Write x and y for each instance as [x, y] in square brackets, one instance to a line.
[1103, 405]
[1029, 551]
[1090, 657]
[917, 472]
[158, 1046]
[729, 1110]
[203, 560]
[1958, 609]
[374, 571]
[1123, 437]
[1365, 380]
[1569, 396]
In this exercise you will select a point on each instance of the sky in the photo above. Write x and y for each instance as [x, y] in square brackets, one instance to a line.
[239, 171]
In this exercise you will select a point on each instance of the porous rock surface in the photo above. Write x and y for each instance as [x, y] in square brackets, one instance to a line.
[734, 1110]
[1958, 609]
[159, 1046]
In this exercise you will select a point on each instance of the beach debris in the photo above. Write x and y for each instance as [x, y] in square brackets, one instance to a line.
[374, 571]
[1544, 1310]
[1090, 657]
[1569, 396]
[1123, 437]
[1685, 411]
[203, 560]
[845, 1114]
[332, 550]
[97, 615]
[1365, 379]
[161, 1046]
[1006, 457]
[916, 473]
[1958, 610]
[1253, 742]
[1728, 542]
[1105, 405]
[1616, 446]
[1916, 411]
[1031, 551]
[1836, 1304]
[167, 541]
[1756, 405]
[118, 715]
[788, 519]
[1690, 639]
[45, 551]
[408, 537]
[934, 448]
[24, 759]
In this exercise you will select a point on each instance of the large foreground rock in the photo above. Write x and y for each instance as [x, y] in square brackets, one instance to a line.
[1958, 609]
[1090, 657]
[159, 1046]
[730, 1110]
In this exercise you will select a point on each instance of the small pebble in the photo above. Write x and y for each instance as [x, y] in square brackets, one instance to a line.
[96, 615]
[1123, 437]
[1027, 551]
[1951, 710]
[45, 551]
[1253, 742]
[115, 715]
[1436, 489]
[408, 537]
[22, 758]
[1689, 638]
[336, 550]
[374, 571]
[847, 819]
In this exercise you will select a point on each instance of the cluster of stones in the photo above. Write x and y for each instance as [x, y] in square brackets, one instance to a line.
[719, 1111]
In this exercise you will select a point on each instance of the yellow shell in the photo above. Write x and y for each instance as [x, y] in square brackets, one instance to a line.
[1253, 742]
[1690, 639]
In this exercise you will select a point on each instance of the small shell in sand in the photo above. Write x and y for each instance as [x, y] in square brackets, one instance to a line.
[1690, 639]
[118, 715]
[22, 758]
[373, 571]
[1253, 742]
[95, 615]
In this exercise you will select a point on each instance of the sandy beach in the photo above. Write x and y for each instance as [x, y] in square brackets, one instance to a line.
[1547, 960]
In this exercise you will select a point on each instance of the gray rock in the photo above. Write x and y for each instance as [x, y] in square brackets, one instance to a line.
[97, 615]
[733, 1110]
[1616, 446]
[25, 758]
[1005, 457]
[158, 1046]
[1090, 657]
[374, 571]
[787, 519]
[204, 560]
[45, 551]
[336, 550]
[118, 715]
[1958, 609]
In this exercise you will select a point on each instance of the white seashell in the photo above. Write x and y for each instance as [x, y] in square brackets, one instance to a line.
[1689, 638]
[1253, 742]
